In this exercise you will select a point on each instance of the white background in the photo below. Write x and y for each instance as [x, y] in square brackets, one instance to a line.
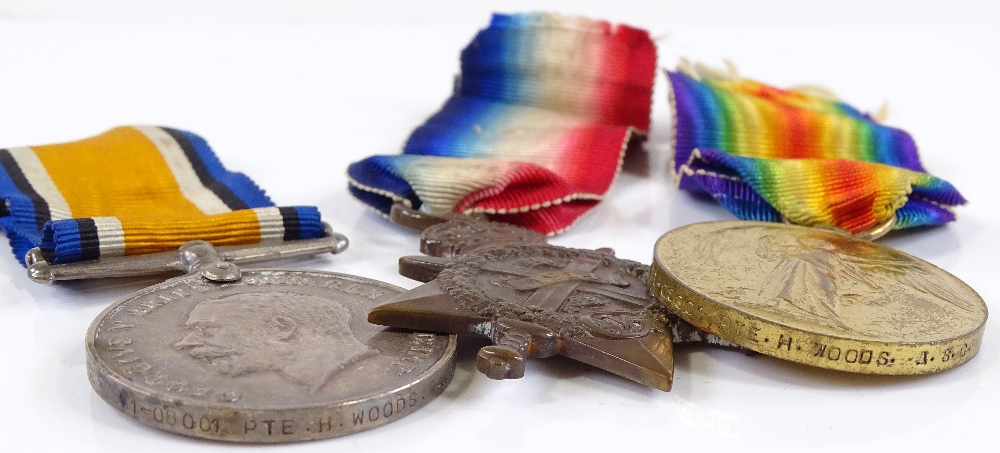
[290, 92]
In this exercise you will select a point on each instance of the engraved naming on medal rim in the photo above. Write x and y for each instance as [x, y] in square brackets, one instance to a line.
[274, 357]
[818, 297]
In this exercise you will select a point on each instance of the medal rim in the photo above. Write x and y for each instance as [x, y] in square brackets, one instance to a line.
[439, 373]
[661, 277]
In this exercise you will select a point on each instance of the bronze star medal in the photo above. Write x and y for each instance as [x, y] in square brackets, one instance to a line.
[537, 300]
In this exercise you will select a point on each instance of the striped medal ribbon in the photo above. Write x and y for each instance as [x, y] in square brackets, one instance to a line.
[798, 155]
[535, 131]
[135, 190]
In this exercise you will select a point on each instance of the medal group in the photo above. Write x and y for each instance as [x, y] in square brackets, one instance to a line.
[543, 113]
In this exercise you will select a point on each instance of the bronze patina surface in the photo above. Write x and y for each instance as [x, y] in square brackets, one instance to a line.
[538, 301]
[818, 297]
[268, 356]
[535, 300]
[459, 236]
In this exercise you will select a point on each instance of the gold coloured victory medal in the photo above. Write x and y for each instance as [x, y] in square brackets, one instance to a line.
[818, 297]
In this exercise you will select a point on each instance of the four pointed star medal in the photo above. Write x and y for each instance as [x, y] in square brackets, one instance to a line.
[537, 300]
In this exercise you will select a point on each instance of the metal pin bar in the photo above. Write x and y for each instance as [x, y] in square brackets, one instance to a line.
[41, 271]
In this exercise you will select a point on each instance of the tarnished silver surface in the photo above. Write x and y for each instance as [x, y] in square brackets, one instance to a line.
[41, 271]
[275, 356]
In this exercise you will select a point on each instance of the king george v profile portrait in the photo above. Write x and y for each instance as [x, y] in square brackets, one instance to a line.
[306, 339]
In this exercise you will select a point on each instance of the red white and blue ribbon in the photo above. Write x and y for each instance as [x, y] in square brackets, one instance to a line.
[536, 130]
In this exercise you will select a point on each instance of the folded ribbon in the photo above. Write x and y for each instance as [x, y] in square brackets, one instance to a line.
[770, 154]
[135, 190]
[536, 130]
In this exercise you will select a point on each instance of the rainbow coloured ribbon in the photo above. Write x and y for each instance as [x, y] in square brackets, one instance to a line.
[536, 130]
[135, 190]
[770, 154]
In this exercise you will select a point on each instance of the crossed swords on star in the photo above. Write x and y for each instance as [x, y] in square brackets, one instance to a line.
[553, 287]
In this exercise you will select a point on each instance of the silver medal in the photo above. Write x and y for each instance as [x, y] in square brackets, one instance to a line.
[260, 356]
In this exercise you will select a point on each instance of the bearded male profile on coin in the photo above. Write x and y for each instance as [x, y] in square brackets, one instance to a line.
[306, 339]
